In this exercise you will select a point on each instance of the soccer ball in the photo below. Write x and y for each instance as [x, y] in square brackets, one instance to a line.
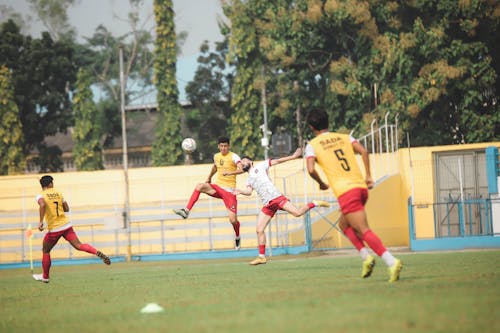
[188, 145]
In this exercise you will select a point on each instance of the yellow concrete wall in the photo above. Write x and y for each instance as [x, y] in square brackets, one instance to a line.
[107, 187]
[387, 206]
[99, 196]
[387, 216]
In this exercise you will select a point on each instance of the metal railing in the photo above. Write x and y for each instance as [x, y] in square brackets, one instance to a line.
[154, 229]
[457, 218]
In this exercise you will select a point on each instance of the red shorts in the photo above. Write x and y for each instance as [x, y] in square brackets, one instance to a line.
[53, 237]
[274, 205]
[229, 198]
[353, 200]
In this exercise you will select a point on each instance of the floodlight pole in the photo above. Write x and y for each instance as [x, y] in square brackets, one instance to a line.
[126, 209]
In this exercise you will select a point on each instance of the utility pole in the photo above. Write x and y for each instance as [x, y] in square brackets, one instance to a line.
[265, 131]
[126, 209]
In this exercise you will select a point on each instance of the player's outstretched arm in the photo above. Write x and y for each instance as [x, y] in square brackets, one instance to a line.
[295, 155]
[246, 191]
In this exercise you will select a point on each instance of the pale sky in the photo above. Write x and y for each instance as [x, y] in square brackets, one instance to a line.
[197, 17]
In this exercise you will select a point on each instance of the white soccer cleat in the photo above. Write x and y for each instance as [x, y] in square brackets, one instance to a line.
[39, 277]
[183, 212]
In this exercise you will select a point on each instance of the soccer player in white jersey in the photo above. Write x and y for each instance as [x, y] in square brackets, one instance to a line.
[52, 208]
[272, 198]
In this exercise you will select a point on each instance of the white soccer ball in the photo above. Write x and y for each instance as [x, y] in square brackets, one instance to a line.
[188, 145]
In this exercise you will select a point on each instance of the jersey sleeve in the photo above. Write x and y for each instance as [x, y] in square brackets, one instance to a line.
[353, 139]
[236, 158]
[309, 151]
[38, 197]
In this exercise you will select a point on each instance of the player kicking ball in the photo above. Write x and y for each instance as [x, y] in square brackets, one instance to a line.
[271, 197]
[53, 207]
[227, 165]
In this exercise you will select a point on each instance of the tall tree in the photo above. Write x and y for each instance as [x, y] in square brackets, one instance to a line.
[248, 83]
[87, 132]
[12, 157]
[209, 93]
[166, 147]
[434, 63]
[22, 21]
[100, 53]
[42, 74]
[54, 16]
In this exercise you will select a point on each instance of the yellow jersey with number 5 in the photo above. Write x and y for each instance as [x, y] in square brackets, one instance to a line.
[335, 155]
[54, 210]
[224, 163]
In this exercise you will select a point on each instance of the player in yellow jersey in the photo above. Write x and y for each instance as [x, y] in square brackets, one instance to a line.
[52, 208]
[225, 162]
[335, 154]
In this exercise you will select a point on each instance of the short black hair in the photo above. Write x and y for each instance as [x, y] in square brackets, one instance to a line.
[247, 157]
[223, 139]
[318, 119]
[46, 180]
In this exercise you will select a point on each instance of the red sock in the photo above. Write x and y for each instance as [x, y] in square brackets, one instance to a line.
[46, 263]
[262, 249]
[351, 234]
[193, 199]
[311, 205]
[87, 248]
[236, 227]
[374, 242]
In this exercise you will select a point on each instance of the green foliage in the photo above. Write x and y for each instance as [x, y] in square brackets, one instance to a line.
[246, 90]
[434, 63]
[12, 158]
[209, 94]
[101, 55]
[87, 132]
[54, 15]
[166, 148]
[42, 74]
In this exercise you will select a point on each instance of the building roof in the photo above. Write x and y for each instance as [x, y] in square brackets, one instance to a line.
[140, 133]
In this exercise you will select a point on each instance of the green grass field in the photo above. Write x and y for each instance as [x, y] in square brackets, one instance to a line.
[438, 292]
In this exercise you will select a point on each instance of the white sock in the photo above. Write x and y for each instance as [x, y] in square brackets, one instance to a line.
[363, 252]
[388, 259]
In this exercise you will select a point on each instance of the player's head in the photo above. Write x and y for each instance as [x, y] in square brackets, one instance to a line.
[45, 181]
[223, 139]
[318, 119]
[223, 144]
[246, 162]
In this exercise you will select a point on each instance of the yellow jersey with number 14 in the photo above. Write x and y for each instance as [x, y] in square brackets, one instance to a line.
[225, 163]
[54, 211]
[335, 155]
